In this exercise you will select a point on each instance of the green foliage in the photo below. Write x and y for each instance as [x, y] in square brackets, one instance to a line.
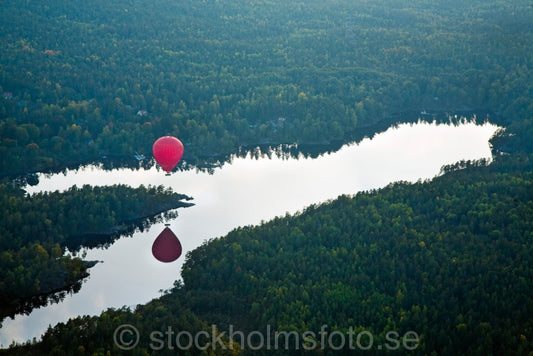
[221, 74]
[157, 323]
[449, 259]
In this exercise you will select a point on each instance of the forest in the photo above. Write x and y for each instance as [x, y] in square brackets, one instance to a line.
[88, 80]
[97, 82]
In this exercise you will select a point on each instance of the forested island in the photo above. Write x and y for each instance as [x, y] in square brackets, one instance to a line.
[449, 258]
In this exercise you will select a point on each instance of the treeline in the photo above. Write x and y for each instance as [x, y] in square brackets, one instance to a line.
[35, 229]
[89, 335]
[99, 78]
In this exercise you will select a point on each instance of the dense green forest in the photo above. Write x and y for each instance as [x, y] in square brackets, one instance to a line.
[449, 259]
[83, 80]
[35, 231]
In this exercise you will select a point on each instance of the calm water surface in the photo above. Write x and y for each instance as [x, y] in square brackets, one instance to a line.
[243, 192]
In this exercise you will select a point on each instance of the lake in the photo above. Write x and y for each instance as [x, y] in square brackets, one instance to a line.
[244, 191]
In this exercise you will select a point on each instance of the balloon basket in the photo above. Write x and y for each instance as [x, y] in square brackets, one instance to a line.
[167, 174]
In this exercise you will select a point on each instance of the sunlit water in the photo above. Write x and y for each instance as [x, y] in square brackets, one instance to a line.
[243, 192]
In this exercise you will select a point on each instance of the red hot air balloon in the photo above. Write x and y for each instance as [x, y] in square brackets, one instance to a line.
[166, 247]
[167, 151]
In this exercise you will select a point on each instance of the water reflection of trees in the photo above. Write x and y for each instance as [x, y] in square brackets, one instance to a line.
[74, 245]
[26, 305]
[36, 230]
[128, 229]
[209, 163]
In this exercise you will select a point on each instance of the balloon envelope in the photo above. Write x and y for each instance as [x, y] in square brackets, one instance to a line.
[168, 151]
[166, 247]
